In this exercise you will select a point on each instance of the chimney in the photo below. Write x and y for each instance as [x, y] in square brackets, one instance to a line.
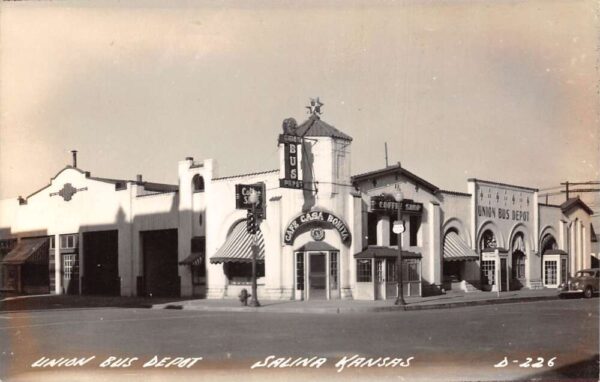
[189, 158]
[138, 178]
[74, 152]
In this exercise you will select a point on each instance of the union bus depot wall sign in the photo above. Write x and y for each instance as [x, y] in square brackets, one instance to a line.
[316, 219]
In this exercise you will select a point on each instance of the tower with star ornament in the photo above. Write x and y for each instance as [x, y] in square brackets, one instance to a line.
[315, 156]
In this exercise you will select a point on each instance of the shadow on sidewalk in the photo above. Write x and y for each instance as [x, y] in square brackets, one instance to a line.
[47, 302]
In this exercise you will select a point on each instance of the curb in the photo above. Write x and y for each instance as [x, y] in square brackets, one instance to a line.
[338, 310]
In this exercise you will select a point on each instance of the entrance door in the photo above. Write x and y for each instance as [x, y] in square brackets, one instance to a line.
[101, 263]
[161, 277]
[317, 276]
[380, 284]
[70, 267]
[503, 275]
[391, 277]
[551, 273]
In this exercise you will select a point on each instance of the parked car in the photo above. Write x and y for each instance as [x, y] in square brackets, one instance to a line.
[585, 281]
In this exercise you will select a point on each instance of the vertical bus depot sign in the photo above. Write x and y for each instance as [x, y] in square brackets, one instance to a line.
[242, 202]
[291, 159]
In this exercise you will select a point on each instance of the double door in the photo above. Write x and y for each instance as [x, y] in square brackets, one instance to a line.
[317, 275]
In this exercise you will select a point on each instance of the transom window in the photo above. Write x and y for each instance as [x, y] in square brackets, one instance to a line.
[68, 241]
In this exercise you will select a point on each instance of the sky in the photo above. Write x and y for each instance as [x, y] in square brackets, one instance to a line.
[504, 91]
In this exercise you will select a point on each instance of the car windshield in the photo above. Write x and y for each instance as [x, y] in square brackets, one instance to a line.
[584, 274]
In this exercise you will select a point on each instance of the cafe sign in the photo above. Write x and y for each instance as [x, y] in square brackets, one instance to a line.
[242, 194]
[387, 204]
[316, 219]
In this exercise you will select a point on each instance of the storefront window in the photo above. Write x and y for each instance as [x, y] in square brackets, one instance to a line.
[363, 270]
[411, 270]
[488, 271]
[241, 273]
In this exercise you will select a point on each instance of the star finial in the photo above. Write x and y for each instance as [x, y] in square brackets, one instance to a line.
[315, 106]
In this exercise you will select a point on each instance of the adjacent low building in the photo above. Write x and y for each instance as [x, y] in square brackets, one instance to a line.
[323, 233]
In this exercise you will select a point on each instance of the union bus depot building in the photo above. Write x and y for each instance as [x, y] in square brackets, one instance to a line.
[324, 234]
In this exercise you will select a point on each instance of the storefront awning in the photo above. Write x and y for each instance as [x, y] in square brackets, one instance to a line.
[33, 251]
[373, 252]
[455, 249]
[238, 246]
[195, 258]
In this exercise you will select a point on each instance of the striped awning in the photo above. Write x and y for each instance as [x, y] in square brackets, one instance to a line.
[195, 258]
[33, 251]
[238, 246]
[456, 249]
[519, 244]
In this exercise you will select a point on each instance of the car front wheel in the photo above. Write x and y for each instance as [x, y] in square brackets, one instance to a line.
[588, 292]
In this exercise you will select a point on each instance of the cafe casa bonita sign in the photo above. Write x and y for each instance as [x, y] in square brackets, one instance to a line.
[316, 218]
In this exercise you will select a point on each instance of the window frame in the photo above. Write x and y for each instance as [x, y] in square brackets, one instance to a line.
[364, 270]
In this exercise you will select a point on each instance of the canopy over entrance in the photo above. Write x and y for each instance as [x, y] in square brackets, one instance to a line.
[32, 251]
[455, 249]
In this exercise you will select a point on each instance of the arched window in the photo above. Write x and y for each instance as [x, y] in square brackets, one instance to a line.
[198, 183]
[488, 240]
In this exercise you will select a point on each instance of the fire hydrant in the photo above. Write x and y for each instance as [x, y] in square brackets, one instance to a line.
[244, 296]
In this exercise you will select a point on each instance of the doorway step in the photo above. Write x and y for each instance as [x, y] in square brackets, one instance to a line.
[467, 287]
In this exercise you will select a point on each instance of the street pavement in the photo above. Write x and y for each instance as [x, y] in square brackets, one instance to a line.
[561, 336]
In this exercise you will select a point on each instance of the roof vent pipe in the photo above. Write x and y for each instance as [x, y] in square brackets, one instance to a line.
[138, 178]
[74, 152]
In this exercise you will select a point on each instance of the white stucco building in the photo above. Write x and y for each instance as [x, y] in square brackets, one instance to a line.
[324, 234]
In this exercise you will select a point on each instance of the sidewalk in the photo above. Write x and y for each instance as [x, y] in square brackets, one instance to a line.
[454, 300]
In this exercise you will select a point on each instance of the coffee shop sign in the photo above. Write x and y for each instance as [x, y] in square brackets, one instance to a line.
[386, 203]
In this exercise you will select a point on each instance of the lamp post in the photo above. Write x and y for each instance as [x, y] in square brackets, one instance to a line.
[253, 198]
[400, 299]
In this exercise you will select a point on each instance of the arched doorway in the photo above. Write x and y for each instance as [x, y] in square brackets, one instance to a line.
[518, 260]
[555, 264]
[459, 267]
